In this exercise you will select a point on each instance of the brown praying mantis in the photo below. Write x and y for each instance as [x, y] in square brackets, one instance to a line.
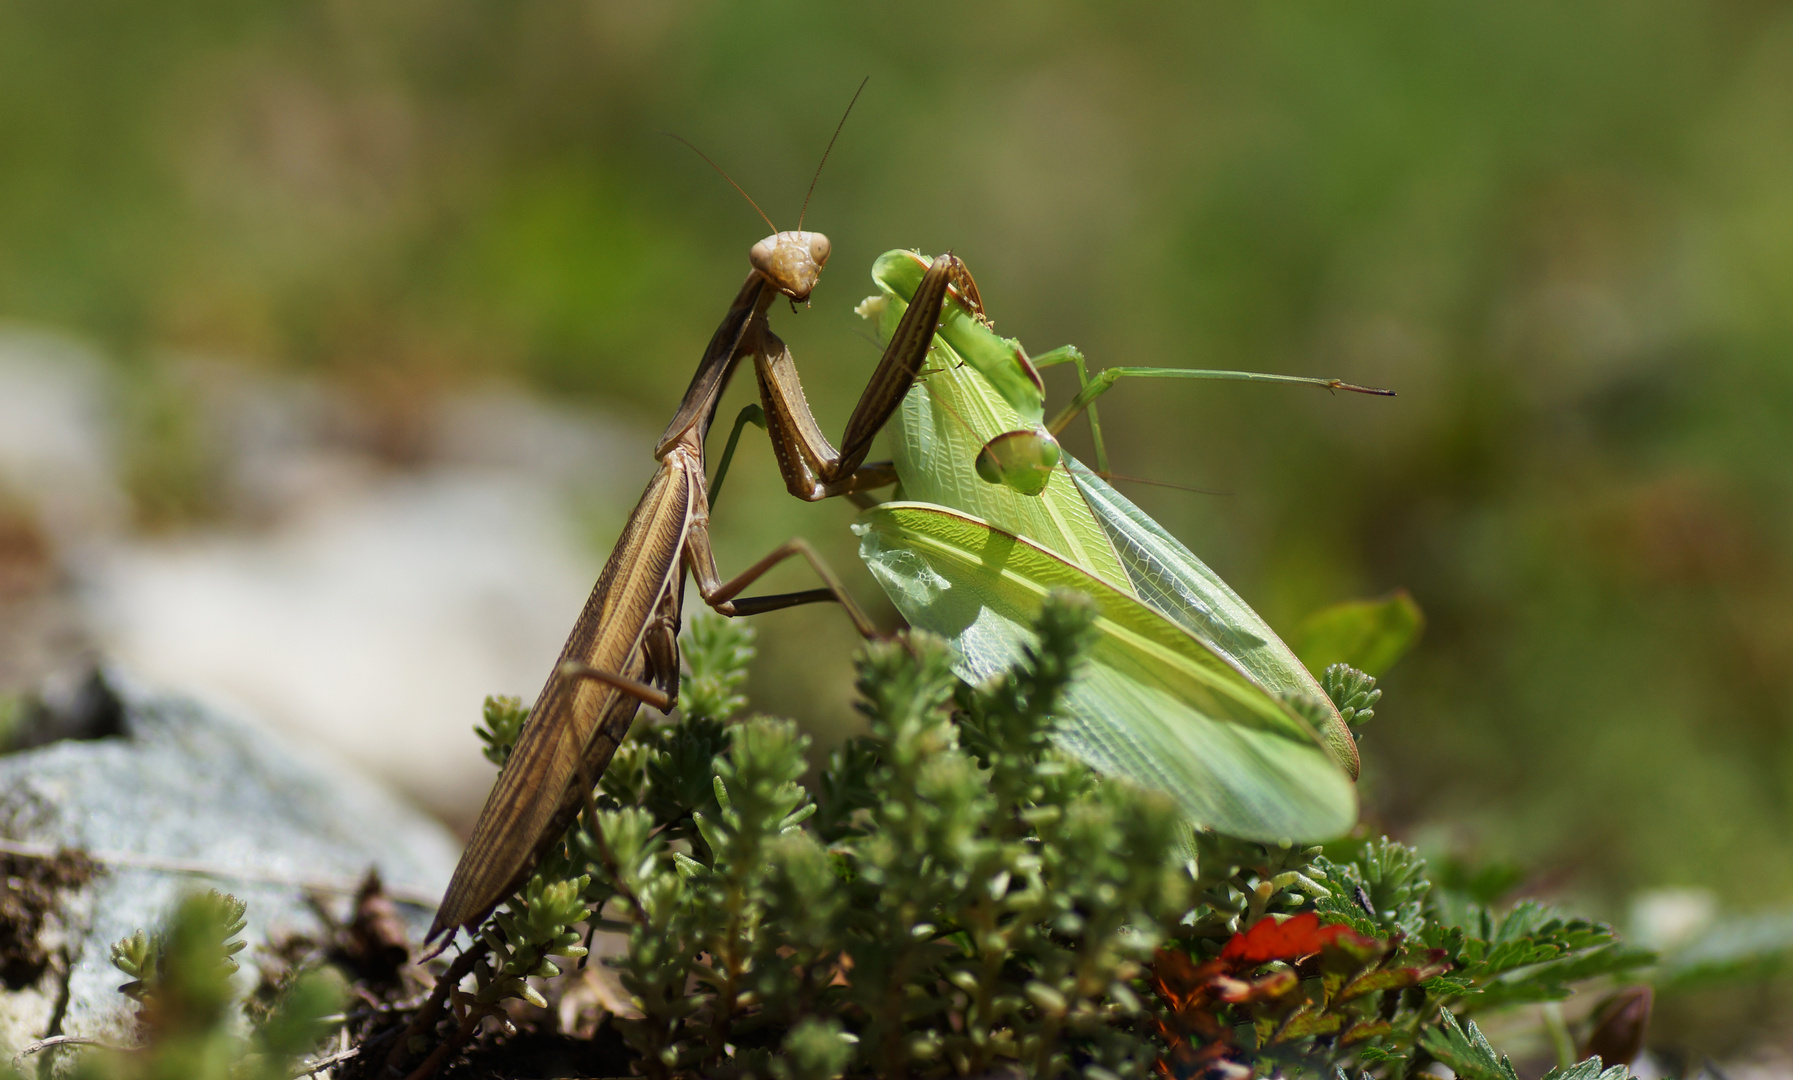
[623, 650]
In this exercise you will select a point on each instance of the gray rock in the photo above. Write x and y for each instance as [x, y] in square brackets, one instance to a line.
[184, 798]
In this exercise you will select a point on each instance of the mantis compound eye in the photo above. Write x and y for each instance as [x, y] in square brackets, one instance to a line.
[1020, 460]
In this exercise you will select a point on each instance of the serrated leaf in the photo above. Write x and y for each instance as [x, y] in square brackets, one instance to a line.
[1587, 1070]
[1509, 955]
[1370, 1029]
[1384, 979]
[1550, 981]
[1466, 1051]
[1449, 986]
[1381, 888]
[1606, 960]
[1308, 1024]
[1527, 918]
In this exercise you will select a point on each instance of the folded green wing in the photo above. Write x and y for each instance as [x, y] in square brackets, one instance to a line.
[1157, 704]
[1169, 578]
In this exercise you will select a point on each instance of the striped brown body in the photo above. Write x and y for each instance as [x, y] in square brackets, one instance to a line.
[630, 624]
[624, 648]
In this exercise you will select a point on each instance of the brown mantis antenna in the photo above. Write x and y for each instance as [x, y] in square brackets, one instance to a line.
[825, 153]
[731, 180]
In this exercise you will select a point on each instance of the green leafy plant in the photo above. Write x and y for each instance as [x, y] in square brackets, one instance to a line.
[501, 722]
[188, 1019]
[1359, 963]
[1467, 1052]
[952, 895]
[521, 939]
[197, 943]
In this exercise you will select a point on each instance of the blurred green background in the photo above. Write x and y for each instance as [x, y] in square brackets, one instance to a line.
[1564, 232]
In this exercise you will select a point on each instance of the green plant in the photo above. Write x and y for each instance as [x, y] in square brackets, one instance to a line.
[953, 896]
[1356, 962]
[520, 940]
[197, 946]
[189, 1026]
[997, 873]
[501, 722]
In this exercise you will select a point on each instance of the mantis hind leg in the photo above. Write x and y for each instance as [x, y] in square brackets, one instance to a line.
[721, 595]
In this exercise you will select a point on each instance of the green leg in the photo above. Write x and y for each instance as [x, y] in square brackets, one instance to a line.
[1073, 355]
[750, 414]
[1096, 387]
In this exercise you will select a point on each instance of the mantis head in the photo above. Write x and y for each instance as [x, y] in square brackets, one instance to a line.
[791, 261]
[1021, 460]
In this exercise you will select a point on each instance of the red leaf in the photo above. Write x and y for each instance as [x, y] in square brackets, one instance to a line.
[1268, 939]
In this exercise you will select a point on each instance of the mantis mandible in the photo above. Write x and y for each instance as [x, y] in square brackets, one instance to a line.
[1188, 690]
[623, 650]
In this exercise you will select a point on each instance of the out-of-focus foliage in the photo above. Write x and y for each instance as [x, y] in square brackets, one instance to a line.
[1369, 635]
[187, 968]
[501, 721]
[188, 1026]
[1564, 232]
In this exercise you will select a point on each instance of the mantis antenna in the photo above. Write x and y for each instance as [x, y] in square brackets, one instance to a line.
[830, 149]
[731, 180]
[812, 180]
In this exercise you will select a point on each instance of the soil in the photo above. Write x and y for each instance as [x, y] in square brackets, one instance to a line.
[547, 1055]
[33, 895]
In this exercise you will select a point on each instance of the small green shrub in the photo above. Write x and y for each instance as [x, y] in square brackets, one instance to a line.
[189, 1026]
[953, 896]
[501, 723]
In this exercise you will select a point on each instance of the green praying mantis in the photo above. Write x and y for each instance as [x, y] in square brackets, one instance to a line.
[1187, 689]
